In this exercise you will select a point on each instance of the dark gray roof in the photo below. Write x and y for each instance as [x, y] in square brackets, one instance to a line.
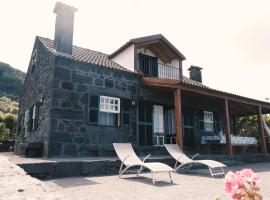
[85, 55]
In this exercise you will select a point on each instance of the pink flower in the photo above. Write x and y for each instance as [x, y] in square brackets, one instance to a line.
[242, 185]
[230, 182]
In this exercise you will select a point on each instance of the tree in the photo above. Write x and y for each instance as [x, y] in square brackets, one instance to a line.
[248, 126]
[8, 122]
[4, 132]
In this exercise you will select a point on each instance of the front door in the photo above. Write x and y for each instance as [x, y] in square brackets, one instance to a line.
[145, 124]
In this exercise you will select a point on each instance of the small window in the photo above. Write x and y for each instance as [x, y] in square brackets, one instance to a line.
[158, 140]
[33, 117]
[109, 104]
[208, 120]
[34, 61]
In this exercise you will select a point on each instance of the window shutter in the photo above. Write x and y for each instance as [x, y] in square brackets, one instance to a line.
[26, 122]
[125, 112]
[36, 116]
[93, 109]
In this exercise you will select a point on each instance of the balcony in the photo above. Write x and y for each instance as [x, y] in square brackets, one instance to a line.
[160, 70]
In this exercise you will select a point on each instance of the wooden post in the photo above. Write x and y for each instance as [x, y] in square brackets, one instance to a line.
[178, 117]
[261, 131]
[227, 128]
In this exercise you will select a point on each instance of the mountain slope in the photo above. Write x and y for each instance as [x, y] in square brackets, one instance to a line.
[11, 81]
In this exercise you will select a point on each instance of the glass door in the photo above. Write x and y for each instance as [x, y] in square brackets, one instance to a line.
[188, 128]
[145, 124]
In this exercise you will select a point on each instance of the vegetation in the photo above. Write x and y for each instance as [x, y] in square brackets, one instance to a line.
[11, 81]
[8, 106]
[4, 132]
[248, 125]
[7, 125]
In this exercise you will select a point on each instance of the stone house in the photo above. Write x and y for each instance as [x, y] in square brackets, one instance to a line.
[77, 102]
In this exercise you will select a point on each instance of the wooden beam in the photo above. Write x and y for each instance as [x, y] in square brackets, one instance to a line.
[261, 131]
[219, 94]
[180, 70]
[227, 128]
[178, 118]
[158, 82]
[160, 54]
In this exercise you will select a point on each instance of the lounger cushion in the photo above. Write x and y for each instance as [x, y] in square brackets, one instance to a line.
[158, 167]
[210, 163]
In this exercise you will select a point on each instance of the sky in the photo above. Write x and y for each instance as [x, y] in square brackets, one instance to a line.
[229, 39]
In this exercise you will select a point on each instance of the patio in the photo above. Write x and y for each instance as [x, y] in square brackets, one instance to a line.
[15, 184]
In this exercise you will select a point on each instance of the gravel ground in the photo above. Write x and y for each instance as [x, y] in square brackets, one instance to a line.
[15, 184]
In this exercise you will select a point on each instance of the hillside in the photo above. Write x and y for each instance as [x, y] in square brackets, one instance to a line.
[11, 81]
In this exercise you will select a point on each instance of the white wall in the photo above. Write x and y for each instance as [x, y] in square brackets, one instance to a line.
[126, 58]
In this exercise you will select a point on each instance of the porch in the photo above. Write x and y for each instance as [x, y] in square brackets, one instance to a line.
[207, 121]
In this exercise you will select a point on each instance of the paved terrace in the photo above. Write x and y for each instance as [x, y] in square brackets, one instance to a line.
[16, 184]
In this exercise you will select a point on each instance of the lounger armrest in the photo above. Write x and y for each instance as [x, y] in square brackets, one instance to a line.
[146, 157]
[196, 155]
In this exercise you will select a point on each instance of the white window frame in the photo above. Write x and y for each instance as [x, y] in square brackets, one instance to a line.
[109, 104]
[208, 118]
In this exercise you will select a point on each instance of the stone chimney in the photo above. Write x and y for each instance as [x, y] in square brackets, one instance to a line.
[63, 37]
[195, 73]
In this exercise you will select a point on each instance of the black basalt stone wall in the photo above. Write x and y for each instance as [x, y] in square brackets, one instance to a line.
[37, 86]
[70, 133]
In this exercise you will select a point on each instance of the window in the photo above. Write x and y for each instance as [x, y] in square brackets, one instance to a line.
[158, 140]
[33, 117]
[104, 110]
[108, 119]
[109, 104]
[208, 121]
[34, 61]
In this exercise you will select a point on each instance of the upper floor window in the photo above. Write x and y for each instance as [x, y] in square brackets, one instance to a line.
[208, 120]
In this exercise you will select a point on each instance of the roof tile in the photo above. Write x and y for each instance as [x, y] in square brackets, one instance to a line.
[85, 55]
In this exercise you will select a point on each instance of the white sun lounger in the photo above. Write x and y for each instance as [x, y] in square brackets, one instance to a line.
[129, 159]
[181, 158]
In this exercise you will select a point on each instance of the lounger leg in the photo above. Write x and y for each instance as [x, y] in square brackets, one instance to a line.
[222, 169]
[153, 180]
[210, 171]
[170, 177]
[216, 173]
[140, 170]
[175, 165]
[120, 170]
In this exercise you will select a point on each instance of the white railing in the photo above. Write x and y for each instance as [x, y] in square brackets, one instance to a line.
[168, 72]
